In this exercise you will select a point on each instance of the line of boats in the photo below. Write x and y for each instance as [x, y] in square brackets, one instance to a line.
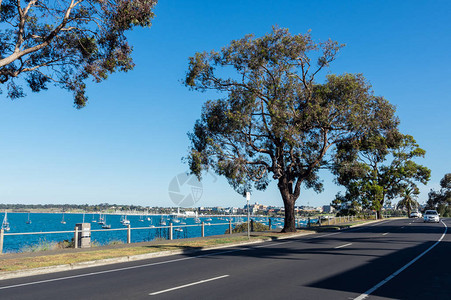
[125, 222]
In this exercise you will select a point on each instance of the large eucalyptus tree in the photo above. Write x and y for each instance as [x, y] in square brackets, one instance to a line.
[66, 42]
[273, 120]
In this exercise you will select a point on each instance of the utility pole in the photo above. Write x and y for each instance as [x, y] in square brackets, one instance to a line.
[248, 197]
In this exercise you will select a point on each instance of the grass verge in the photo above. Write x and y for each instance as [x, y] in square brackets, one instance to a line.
[16, 264]
[24, 263]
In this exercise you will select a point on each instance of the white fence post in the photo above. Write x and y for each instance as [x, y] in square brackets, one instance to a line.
[129, 234]
[2, 232]
[76, 237]
[203, 229]
[170, 231]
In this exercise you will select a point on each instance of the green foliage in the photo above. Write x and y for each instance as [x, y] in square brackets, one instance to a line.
[243, 227]
[66, 244]
[408, 200]
[441, 200]
[273, 121]
[66, 44]
[379, 167]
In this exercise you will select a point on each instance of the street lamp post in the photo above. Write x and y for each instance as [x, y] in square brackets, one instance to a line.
[248, 197]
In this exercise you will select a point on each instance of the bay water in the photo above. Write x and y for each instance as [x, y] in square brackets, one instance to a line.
[142, 230]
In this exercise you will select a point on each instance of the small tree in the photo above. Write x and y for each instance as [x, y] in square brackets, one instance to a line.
[408, 199]
[378, 168]
[65, 43]
[441, 200]
[274, 121]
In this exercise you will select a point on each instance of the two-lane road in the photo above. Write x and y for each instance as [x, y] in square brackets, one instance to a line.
[399, 259]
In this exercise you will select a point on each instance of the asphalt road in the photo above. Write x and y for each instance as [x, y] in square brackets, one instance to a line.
[339, 265]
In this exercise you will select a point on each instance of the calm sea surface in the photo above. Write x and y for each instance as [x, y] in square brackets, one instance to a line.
[45, 222]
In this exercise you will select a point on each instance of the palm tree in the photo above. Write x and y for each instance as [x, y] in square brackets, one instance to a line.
[408, 200]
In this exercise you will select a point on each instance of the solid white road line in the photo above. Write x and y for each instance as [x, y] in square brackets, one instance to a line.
[187, 285]
[119, 269]
[345, 245]
[371, 290]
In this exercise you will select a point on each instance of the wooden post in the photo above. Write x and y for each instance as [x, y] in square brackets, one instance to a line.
[170, 231]
[2, 232]
[129, 234]
[203, 229]
[230, 226]
[76, 237]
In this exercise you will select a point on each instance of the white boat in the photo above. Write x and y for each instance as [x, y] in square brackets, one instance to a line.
[5, 224]
[179, 229]
[105, 225]
[162, 221]
[209, 220]
[62, 220]
[101, 220]
[124, 221]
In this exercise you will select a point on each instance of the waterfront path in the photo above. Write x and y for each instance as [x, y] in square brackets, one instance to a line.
[411, 255]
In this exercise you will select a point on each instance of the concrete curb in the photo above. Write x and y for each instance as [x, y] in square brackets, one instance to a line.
[131, 258]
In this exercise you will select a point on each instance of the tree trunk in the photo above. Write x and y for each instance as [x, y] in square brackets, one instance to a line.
[290, 218]
[288, 201]
[379, 214]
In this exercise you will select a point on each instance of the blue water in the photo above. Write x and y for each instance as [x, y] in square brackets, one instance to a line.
[45, 222]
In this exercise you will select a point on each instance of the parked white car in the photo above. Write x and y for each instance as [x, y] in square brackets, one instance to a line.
[431, 216]
[415, 214]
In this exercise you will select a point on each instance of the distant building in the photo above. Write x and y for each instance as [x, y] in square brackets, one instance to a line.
[328, 209]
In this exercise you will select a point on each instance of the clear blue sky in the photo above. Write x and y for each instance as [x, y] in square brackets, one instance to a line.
[127, 144]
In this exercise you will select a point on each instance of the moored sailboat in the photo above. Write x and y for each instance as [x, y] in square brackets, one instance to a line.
[104, 224]
[5, 224]
[28, 221]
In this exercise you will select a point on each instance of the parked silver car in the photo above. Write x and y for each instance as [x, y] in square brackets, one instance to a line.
[431, 216]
